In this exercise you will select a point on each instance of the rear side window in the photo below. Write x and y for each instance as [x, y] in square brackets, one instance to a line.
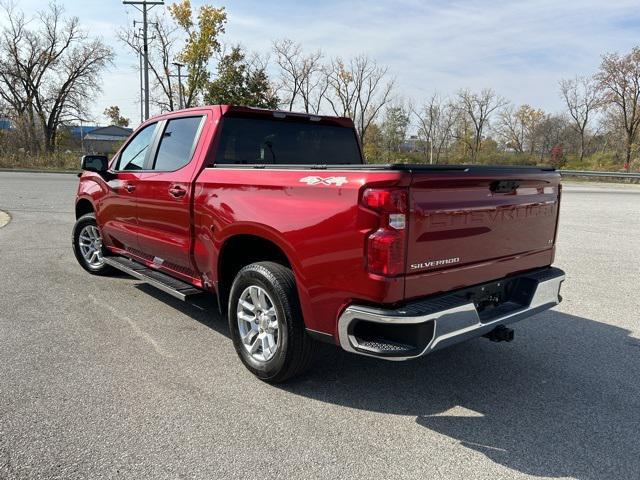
[134, 154]
[177, 143]
[286, 142]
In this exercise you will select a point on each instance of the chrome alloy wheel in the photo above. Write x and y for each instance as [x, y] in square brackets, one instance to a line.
[90, 243]
[258, 323]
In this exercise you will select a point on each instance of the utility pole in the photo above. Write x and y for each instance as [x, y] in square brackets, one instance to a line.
[146, 6]
[180, 94]
[138, 36]
[142, 90]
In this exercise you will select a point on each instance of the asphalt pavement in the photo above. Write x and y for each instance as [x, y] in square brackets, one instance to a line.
[103, 377]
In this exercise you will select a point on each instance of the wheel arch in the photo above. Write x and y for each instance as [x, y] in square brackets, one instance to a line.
[84, 206]
[241, 249]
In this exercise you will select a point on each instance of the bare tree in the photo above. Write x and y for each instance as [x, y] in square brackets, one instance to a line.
[435, 120]
[302, 77]
[49, 70]
[582, 98]
[478, 107]
[359, 90]
[511, 129]
[551, 133]
[611, 134]
[164, 34]
[314, 82]
[289, 59]
[162, 53]
[619, 81]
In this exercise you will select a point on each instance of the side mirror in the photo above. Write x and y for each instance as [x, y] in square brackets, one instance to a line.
[95, 163]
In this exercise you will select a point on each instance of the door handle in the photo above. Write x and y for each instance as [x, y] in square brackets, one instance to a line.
[129, 188]
[177, 191]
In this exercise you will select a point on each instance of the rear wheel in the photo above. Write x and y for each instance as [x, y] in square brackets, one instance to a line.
[87, 245]
[266, 323]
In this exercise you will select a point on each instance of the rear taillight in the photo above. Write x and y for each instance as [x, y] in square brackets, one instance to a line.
[386, 246]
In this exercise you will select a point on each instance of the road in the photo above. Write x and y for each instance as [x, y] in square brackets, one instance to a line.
[107, 378]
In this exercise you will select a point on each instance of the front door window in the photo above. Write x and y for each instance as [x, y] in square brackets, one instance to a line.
[134, 154]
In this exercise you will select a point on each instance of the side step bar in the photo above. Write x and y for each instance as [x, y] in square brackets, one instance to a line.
[172, 286]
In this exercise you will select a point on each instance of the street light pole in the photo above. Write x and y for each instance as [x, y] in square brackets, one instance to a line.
[146, 6]
[180, 94]
[81, 137]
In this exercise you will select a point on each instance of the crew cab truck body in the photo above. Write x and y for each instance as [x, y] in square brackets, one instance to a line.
[276, 214]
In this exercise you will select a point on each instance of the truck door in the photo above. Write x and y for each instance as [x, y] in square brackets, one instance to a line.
[117, 210]
[164, 195]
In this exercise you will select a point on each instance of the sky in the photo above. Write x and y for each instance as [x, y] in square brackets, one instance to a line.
[521, 49]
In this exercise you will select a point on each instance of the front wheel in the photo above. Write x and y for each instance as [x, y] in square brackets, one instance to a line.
[87, 246]
[266, 323]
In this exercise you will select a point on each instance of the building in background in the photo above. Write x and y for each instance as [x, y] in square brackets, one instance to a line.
[93, 139]
[411, 144]
[105, 139]
[5, 123]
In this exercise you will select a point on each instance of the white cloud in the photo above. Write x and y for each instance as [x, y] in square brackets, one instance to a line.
[519, 48]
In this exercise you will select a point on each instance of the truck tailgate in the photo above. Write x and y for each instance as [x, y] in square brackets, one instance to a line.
[466, 228]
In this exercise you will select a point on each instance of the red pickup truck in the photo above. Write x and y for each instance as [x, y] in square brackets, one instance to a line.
[277, 214]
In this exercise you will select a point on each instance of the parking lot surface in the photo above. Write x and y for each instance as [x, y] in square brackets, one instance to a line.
[103, 377]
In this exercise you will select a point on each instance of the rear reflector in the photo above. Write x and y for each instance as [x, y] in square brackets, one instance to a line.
[397, 221]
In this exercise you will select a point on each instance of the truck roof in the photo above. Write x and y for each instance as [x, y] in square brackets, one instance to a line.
[230, 110]
[265, 112]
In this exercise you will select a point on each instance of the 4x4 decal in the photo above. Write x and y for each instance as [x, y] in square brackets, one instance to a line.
[314, 180]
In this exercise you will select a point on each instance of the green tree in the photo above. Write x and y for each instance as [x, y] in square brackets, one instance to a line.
[373, 144]
[203, 32]
[115, 117]
[394, 130]
[519, 128]
[240, 82]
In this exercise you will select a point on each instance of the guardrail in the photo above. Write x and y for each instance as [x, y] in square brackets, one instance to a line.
[585, 173]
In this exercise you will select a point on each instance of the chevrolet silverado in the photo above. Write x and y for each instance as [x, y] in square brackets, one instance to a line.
[277, 215]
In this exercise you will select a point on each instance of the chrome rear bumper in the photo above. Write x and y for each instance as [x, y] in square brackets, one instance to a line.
[437, 322]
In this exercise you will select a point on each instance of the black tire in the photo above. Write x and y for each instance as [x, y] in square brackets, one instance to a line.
[88, 220]
[295, 348]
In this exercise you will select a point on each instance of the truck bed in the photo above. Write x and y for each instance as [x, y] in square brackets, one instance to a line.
[326, 227]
